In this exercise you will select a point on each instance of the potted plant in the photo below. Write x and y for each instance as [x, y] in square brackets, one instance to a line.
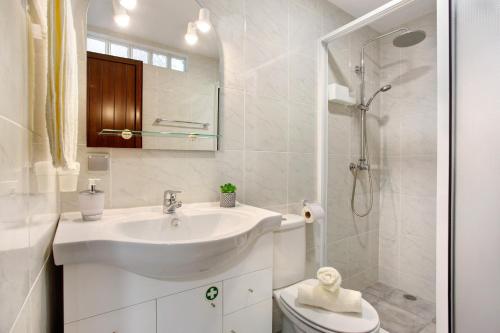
[228, 195]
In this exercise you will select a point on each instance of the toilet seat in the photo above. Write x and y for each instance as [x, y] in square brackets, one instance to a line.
[326, 321]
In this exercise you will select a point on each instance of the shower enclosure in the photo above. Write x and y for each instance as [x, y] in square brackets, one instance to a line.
[378, 161]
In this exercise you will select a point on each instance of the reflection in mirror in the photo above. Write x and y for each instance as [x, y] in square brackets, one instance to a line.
[152, 70]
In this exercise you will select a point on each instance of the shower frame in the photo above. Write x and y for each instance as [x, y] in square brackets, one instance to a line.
[444, 190]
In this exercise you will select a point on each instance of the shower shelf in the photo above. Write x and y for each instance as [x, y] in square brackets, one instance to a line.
[340, 94]
[128, 134]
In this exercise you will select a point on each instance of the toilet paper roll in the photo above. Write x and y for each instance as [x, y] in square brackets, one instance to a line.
[313, 212]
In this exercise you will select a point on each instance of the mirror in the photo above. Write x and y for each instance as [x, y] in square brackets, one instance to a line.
[154, 71]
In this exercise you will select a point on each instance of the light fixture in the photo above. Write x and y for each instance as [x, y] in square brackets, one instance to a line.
[191, 36]
[203, 24]
[120, 15]
[128, 4]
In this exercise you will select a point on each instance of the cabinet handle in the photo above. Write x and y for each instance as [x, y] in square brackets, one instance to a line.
[250, 290]
[213, 305]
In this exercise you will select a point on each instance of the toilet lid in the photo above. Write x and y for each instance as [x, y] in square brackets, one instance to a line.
[364, 322]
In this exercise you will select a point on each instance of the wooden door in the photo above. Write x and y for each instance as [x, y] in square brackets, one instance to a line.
[114, 99]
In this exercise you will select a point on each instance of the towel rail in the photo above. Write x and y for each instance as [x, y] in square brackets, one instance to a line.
[180, 123]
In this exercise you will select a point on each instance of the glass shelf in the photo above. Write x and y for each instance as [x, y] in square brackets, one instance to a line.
[128, 134]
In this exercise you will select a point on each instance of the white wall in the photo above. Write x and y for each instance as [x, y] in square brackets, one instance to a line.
[27, 217]
[477, 166]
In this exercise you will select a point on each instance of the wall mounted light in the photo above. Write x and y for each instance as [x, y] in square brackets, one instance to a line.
[128, 4]
[203, 24]
[120, 15]
[191, 35]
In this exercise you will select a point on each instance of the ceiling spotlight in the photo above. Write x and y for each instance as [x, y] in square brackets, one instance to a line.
[191, 36]
[203, 24]
[122, 20]
[120, 15]
[128, 4]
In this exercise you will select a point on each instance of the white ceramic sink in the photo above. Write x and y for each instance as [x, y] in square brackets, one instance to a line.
[198, 238]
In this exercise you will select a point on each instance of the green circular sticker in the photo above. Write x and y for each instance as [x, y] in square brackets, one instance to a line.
[212, 293]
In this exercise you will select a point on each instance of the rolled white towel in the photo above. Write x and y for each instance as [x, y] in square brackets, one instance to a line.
[329, 278]
[343, 300]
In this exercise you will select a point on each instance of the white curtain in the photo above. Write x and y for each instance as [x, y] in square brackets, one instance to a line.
[62, 90]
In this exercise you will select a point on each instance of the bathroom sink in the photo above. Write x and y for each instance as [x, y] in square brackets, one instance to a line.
[198, 238]
[185, 227]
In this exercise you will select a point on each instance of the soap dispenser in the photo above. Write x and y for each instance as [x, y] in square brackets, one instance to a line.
[91, 202]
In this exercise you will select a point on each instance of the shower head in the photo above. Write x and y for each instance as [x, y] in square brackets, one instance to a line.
[385, 88]
[409, 38]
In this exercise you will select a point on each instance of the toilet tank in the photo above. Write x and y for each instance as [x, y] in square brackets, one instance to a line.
[289, 251]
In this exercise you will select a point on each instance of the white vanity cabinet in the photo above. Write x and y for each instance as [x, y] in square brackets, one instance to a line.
[197, 310]
[106, 299]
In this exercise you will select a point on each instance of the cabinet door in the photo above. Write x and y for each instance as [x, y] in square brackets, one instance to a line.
[254, 319]
[193, 311]
[137, 318]
[247, 289]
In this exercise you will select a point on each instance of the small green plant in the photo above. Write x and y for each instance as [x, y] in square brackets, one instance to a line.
[228, 188]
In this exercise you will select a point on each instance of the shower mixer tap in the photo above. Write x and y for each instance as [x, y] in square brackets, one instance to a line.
[361, 165]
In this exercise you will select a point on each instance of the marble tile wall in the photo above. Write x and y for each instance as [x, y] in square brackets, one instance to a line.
[408, 150]
[28, 212]
[353, 241]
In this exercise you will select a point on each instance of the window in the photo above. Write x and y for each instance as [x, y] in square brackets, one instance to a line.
[159, 60]
[118, 50]
[96, 45]
[141, 55]
[178, 64]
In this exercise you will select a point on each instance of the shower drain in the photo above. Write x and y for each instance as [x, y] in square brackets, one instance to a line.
[410, 297]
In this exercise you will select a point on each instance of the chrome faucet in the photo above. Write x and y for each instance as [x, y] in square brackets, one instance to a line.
[170, 203]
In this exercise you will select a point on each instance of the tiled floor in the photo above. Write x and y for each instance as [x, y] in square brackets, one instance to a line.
[399, 315]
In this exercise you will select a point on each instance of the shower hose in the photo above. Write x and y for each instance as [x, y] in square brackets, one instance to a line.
[355, 182]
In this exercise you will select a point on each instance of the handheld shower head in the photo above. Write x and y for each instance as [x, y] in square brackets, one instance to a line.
[385, 88]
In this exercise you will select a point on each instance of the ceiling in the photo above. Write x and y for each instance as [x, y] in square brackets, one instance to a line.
[160, 21]
[411, 11]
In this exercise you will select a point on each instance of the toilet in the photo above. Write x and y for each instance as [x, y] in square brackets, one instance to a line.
[289, 272]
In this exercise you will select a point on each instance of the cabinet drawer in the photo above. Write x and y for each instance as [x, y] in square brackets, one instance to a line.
[255, 318]
[248, 289]
[192, 311]
[137, 318]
